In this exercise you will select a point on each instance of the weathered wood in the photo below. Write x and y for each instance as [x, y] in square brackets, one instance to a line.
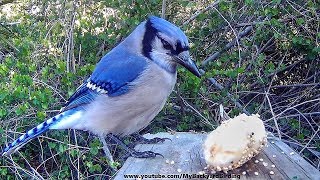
[184, 154]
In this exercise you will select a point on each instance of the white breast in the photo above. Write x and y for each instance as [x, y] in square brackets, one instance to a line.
[133, 111]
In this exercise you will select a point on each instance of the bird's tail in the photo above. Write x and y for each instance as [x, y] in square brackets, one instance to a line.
[36, 131]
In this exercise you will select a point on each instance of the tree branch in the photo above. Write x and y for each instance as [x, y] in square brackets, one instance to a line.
[197, 13]
[243, 33]
[163, 9]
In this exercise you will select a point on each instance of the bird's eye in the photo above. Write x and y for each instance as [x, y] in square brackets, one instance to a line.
[166, 45]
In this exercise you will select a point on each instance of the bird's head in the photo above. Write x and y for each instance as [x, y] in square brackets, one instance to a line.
[167, 45]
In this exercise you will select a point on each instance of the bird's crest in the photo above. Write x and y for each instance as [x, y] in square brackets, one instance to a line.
[165, 27]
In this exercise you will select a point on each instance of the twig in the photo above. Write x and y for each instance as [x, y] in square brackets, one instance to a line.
[54, 89]
[274, 119]
[53, 156]
[268, 43]
[243, 33]
[78, 157]
[103, 45]
[267, 21]
[10, 24]
[305, 81]
[278, 71]
[234, 32]
[267, 97]
[70, 48]
[290, 108]
[79, 57]
[216, 55]
[163, 9]
[3, 2]
[295, 85]
[306, 119]
[223, 115]
[185, 102]
[304, 114]
[230, 96]
[197, 13]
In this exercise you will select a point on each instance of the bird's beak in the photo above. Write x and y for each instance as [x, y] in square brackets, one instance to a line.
[185, 60]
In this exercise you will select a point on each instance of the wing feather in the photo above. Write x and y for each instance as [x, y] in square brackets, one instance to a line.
[112, 77]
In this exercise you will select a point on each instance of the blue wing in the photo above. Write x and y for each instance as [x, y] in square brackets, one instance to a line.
[113, 74]
[81, 97]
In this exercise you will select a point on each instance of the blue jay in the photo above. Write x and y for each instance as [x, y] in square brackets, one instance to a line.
[128, 87]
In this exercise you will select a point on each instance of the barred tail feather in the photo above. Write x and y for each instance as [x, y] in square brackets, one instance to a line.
[36, 131]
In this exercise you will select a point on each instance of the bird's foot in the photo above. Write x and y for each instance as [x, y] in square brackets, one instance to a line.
[106, 149]
[132, 152]
[142, 140]
[144, 154]
[153, 140]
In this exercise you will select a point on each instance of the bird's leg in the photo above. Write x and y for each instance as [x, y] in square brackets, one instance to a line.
[142, 140]
[132, 152]
[106, 149]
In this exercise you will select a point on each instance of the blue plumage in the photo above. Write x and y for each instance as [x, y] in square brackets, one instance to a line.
[113, 74]
[166, 27]
[36, 131]
[116, 70]
[128, 87]
[82, 97]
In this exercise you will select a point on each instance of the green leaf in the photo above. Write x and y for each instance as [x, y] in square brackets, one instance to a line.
[97, 168]
[3, 171]
[62, 148]
[41, 115]
[248, 2]
[3, 113]
[276, 1]
[52, 145]
[300, 21]
[74, 152]
[94, 150]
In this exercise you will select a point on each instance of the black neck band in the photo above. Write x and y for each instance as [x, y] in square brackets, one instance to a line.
[148, 38]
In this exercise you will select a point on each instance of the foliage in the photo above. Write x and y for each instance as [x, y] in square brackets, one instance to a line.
[48, 48]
